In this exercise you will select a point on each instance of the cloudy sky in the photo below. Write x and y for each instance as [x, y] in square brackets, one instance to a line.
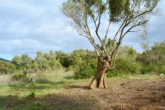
[28, 26]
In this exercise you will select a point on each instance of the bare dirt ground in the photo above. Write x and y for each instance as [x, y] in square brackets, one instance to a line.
[122, 94]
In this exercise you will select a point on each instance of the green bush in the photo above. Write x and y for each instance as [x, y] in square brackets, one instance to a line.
[20, 77]
[156, 69]
[124, 66]
[148, 69]
[85, 70]
[161, 69]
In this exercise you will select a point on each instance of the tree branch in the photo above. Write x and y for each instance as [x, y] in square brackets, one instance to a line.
[97, 28]
[107, 31]
[148, 11]
[140, 23]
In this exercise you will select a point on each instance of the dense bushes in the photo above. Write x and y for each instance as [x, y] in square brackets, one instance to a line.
[84, 62]
[128, 67]
[63, 58]
[20, 77]
[127, 62]
[6, 67]
[86, 69]
[154, 69]
[85, 65]
[124, 66]
[42, 61]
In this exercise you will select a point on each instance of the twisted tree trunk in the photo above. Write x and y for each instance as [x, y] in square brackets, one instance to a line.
[99, 80]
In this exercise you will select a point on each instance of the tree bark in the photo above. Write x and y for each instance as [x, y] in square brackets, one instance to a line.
[99, 80]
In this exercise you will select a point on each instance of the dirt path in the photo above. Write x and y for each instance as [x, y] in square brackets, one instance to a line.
[121, 94]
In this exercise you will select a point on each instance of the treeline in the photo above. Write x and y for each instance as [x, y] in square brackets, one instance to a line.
[27, 64]
[84, 62]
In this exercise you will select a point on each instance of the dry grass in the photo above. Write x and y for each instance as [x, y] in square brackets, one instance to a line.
[5, 79]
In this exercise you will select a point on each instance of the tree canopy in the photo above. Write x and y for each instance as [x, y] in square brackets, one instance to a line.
[127, 14]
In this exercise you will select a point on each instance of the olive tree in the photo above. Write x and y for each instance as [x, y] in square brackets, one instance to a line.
[128, 15]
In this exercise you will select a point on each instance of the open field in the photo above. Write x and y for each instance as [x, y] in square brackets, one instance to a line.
[61, 92]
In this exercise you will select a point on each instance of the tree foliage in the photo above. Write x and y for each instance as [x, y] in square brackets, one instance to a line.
[153, 54]
[119, 9]
[129, 14]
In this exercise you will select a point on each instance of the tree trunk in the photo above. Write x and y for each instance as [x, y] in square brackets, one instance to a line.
[99, 80]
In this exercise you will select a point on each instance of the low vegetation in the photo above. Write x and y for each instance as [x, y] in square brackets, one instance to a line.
[83, 63]
[59, 80]
[60, 91]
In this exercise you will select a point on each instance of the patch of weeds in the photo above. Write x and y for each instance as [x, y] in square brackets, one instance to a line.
[31, 95]
[37, 106]
[34, 106]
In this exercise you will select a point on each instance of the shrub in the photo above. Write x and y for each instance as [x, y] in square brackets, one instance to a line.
[20, 77]
[156, 69]
[161, 69]
[124, 66]
[85, 70]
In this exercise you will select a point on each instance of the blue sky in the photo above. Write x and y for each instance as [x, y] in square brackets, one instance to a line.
[28, 26]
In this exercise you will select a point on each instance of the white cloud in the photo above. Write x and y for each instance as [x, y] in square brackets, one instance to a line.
[28, 26]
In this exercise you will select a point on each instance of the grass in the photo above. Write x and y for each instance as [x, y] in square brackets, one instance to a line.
[26, 96]
[43, 84]
[53, 83]
[137, 76]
